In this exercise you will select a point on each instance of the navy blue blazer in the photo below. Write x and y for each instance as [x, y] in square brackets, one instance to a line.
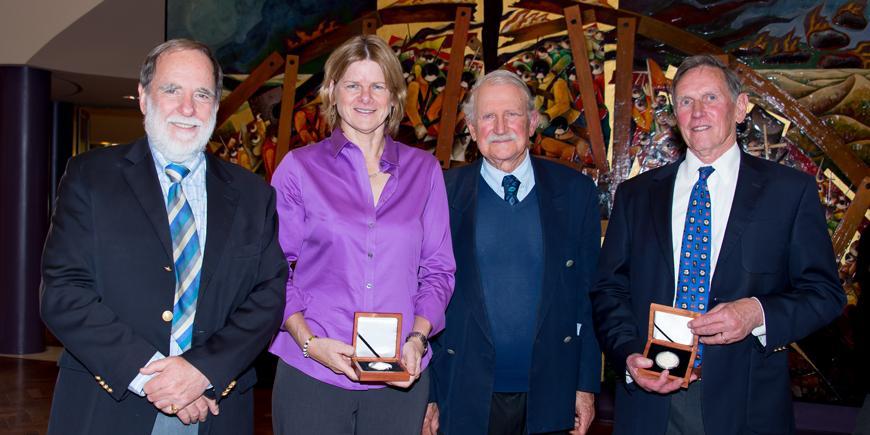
[107, 277]
[566, 354]
[776, 248]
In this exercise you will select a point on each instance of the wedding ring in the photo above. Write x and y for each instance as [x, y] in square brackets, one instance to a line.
[172, 409]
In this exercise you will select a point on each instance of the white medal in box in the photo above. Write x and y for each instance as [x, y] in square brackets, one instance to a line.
[670, 343]
[376, 343]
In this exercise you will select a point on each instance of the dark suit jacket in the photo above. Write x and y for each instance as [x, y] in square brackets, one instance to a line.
[564, 360]
[108, 277]
[776, 248]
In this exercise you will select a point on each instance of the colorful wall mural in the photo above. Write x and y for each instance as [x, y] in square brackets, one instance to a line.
[817, 52]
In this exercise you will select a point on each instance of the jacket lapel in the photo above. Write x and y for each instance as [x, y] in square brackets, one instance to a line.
[661, 198]
[222, 203]
[552, 210]
[464, 205]
[750, 183]
[142, 178]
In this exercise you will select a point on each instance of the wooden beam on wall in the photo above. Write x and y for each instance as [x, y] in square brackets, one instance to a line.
[447, 128]
[587, 90]
[811, 126]
[288, 100]
[852, 218]
[329, 41]
[622, 105]
[262, 73]
[422, 13]
[370, 26]
[647, 26]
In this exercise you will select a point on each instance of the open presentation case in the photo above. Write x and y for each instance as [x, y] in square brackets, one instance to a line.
[670, 343]
[376, 343]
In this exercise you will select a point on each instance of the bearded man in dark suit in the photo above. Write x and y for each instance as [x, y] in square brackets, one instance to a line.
[162, 275]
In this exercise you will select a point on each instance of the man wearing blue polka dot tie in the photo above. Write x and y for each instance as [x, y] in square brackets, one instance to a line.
[162, 274]
[738, 239]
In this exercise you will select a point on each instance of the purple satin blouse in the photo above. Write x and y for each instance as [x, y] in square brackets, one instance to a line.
[351, 255]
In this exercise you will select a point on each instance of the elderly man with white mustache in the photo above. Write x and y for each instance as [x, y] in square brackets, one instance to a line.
[518, 354]
[162, 275]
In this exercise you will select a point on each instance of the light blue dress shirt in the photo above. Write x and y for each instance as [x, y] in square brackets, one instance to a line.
[194, 188]
[524, 172]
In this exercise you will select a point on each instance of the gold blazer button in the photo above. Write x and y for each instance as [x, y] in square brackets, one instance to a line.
[167, 316]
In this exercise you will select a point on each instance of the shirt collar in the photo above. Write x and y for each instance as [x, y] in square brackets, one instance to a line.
[726, 166]
[391, 149]
[523, 172]
[161, 161]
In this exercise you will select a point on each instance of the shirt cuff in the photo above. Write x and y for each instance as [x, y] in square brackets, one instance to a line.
[137, 385]
[761, 332]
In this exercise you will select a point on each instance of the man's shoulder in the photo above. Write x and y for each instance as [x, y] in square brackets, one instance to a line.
[235, 174]
[646, 179]
[559, 170]
[775, 171]
[106, 158]
[456, 176]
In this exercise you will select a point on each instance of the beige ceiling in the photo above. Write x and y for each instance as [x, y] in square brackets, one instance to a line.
[93, 48]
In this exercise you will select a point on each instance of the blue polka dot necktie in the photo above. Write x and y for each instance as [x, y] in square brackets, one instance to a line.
[186, 255]
[694, 282]
[511, 184]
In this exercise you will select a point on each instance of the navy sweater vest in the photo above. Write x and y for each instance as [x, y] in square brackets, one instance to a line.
[510, 256]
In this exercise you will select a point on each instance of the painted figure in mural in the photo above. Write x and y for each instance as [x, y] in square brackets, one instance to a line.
[743, 242]
[519, 354]
[308, 123]
[365, 224]
[549, 71]
[161, 322]
[421, 95]
[270, 152]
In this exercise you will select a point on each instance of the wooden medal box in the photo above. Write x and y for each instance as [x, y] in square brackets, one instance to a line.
[376, 343]
[670, 343]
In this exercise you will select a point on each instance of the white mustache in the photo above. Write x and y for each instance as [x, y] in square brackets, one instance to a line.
[493, 137]
[185, 120]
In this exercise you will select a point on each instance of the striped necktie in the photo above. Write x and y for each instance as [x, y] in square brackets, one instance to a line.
[694, 283]
[185, 254]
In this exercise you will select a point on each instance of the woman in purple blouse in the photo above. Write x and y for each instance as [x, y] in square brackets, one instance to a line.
[364, 224]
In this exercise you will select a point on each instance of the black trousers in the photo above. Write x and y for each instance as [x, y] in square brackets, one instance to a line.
[304, 405]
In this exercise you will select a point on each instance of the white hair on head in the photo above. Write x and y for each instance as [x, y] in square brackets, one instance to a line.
[497, 77]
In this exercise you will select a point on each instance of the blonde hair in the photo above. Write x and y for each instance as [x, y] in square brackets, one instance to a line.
[364, 47]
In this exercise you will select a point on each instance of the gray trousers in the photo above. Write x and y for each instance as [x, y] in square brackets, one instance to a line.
[171, 425]
[303, 405]
[685, 416]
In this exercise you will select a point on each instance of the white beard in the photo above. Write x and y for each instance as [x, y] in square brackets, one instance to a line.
[157, 129]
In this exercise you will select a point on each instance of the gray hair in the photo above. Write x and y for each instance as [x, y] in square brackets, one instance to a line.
[149, 66]
[710, 61]
[497, 77]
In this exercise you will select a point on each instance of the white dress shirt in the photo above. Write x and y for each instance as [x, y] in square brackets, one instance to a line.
[722, 184]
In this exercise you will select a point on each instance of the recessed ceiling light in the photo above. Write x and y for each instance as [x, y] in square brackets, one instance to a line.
[130, 97]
